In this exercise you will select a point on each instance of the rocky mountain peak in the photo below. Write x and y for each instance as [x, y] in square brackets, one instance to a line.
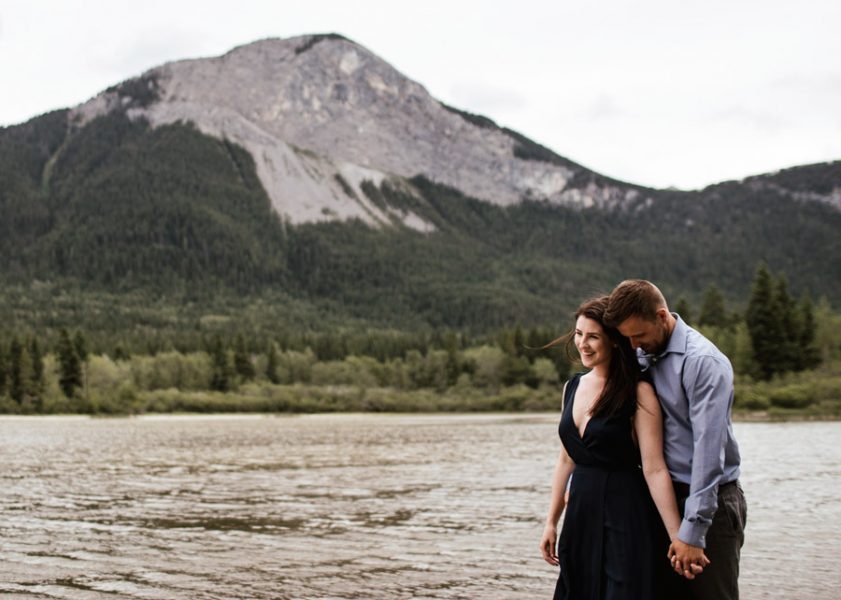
[320, 114]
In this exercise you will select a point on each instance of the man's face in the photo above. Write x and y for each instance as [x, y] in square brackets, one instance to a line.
[651, 336]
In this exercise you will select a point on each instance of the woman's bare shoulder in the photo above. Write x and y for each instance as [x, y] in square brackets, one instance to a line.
[646, 395]
[645, 387]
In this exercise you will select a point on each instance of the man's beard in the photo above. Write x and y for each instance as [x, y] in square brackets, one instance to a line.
[659, 345]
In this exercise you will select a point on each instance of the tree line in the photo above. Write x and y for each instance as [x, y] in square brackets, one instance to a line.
[780, 332]
[775, 335]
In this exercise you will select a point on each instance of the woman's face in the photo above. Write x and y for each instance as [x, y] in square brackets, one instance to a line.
[592, 343]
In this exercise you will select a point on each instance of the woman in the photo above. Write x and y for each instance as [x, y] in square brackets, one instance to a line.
[612, 544]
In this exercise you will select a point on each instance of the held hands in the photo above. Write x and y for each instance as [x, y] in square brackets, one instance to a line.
[687, 560]
[547, 545]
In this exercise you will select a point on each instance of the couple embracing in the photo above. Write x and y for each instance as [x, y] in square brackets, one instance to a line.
[655, 509]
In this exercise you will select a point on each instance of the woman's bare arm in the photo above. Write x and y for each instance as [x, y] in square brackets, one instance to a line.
[560, 477]
[563, 470]
[648, 425]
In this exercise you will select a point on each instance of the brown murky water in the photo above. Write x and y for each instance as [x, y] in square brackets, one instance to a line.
[349, 506]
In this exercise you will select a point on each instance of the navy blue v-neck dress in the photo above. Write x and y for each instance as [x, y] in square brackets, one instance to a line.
[613, 544]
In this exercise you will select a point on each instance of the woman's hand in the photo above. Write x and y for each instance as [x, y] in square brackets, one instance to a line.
[687, 560]
[547, 544]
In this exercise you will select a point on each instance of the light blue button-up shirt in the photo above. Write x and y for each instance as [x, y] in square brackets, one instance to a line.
[694, 382]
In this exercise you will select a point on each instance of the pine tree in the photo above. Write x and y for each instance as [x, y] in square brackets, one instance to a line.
[682, 308]
[20, 371]
[70, 367]
[790, 324]
[519, 341]
[242, 360]
[221, 371]
[765, 325]
[272, 363]
[37, 365]
[81, 345]
[809, 351]
[713, 311]
[453, 366]
[4, 369]
[120, 352]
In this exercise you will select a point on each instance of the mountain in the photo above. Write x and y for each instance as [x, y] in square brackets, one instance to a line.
[312, 168]
[320, 115]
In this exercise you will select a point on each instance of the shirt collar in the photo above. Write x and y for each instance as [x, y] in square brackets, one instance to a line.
[677, 341]
[676, 344]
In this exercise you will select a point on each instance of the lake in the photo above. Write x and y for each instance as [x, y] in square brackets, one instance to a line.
[350, 506]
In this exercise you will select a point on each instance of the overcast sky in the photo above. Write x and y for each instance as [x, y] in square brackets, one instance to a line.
[655, 92]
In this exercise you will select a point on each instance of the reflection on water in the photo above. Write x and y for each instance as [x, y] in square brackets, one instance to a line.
[348, 506]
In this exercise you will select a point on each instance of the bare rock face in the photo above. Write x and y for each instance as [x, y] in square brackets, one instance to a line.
[765, 183]
[321, 114]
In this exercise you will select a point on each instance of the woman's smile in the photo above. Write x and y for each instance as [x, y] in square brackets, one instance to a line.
[591, 342]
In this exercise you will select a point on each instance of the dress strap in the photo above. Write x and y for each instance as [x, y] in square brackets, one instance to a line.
[569, 389]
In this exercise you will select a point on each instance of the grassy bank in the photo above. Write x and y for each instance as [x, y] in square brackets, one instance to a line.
[811, 395]
[806, 395]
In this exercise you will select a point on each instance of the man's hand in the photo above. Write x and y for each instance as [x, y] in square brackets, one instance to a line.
[687, 560]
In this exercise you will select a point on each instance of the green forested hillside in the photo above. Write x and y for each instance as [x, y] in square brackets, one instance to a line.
[137, 207]
[170, 229]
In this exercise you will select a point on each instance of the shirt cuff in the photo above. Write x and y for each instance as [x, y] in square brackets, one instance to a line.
[694, 534]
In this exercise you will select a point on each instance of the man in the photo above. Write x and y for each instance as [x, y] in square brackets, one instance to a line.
[694, 382]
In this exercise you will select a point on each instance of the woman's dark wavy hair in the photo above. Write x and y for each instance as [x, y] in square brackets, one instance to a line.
[623, 372]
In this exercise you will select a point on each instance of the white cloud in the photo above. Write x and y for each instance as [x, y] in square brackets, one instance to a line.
[487, 97]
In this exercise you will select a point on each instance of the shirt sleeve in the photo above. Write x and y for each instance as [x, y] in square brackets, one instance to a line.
[708, 384]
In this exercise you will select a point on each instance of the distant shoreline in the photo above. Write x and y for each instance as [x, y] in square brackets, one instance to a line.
[766, 417]
[738, 417]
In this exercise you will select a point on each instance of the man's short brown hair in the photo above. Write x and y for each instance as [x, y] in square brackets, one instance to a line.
[633, 298]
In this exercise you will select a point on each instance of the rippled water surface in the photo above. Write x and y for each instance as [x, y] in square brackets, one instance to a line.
[350, 506]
